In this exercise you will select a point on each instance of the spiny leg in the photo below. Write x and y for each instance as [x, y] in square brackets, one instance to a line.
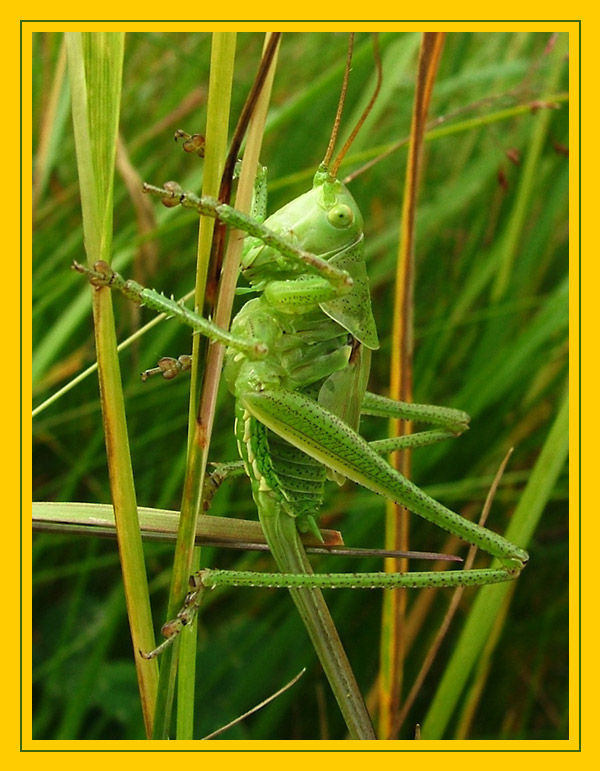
[102, 275]
[450, 419]
[172, 194]
[410, 441]
[210, 579]
[451, 422]
[169, 367]
[215, 479]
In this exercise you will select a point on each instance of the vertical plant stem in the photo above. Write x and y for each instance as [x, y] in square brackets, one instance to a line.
[222, 61]
[202, 422]
[95, 69]
[394, 601]
[217, 127]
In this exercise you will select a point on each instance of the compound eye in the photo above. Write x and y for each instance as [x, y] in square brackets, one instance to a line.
[340, 216]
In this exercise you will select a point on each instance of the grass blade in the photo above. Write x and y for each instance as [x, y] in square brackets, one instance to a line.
[221, 78]
[95, 66]
[401, 388]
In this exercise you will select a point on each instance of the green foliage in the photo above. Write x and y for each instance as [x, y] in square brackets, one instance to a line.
[500, 355]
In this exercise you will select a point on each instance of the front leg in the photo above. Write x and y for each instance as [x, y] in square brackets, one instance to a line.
[101, 275]
[171, 194]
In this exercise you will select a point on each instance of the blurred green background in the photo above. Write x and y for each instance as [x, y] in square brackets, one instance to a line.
[499, 354]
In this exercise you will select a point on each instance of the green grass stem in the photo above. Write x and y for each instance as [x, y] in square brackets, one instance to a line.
[95, 68]
[184, 667]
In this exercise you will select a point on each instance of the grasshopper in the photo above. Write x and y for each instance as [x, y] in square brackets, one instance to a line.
[297, 363]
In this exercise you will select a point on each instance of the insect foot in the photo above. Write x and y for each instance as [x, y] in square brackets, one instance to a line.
[192, 143]
[168, 367]
[184, 618]
[99, 275]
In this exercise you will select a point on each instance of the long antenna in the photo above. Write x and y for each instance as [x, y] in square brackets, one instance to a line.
[340, 157]
[340, 107]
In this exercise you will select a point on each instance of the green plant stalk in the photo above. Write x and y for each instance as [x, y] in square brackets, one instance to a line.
[97, 519]
[217, 128]
[222, 61]
[203, 422]
[393, 622]
[95, 70]
[490, 598]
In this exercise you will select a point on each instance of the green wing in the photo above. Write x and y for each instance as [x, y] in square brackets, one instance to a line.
[343, 391]
[353, 310]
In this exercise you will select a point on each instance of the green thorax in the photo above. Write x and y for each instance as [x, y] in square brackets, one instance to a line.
[303, 349]
[326, 222]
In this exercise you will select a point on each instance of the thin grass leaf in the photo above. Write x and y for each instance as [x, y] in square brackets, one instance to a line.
[201, 424]
[401, 388]
[219, 96]
[95, 67]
